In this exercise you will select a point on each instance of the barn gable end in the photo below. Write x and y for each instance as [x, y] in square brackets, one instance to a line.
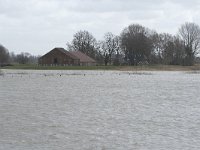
[59, 56]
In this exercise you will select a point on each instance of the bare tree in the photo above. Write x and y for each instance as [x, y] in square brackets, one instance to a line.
[190, 34]
[174, 52]
[159, 43]
[168, 49]
[118, 51]
[110, 47]
[23, 58]
[85, 42]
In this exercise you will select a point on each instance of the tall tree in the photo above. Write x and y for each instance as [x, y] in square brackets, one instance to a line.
[85, 42]
[190, 34]
[168, 49]
[4, 55]
[173, 53]
[136, 44]
[159, 44]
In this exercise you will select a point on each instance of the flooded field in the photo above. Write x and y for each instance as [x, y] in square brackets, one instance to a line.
[98, 110]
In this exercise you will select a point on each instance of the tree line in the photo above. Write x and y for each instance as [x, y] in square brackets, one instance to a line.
[7, 58]
[135, 45]
[140, 45]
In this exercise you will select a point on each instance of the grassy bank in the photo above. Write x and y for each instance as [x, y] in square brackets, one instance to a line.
[36, 67]
[161, 68]
[121, 68]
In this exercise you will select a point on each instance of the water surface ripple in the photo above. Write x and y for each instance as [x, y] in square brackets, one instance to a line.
[98, 110]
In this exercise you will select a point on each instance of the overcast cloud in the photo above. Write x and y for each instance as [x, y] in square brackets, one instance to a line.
[37, 26]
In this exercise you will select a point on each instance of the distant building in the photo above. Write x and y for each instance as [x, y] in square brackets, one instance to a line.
[62, 57]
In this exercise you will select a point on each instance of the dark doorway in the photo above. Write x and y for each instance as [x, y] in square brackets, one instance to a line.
[55, 61]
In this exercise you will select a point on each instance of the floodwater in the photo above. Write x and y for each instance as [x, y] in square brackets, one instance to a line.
[99, 110]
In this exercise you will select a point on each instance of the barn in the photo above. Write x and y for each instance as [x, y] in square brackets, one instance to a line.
[62, 57]
[59, 56]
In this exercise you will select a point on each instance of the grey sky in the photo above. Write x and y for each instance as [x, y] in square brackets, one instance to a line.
[37, 26]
